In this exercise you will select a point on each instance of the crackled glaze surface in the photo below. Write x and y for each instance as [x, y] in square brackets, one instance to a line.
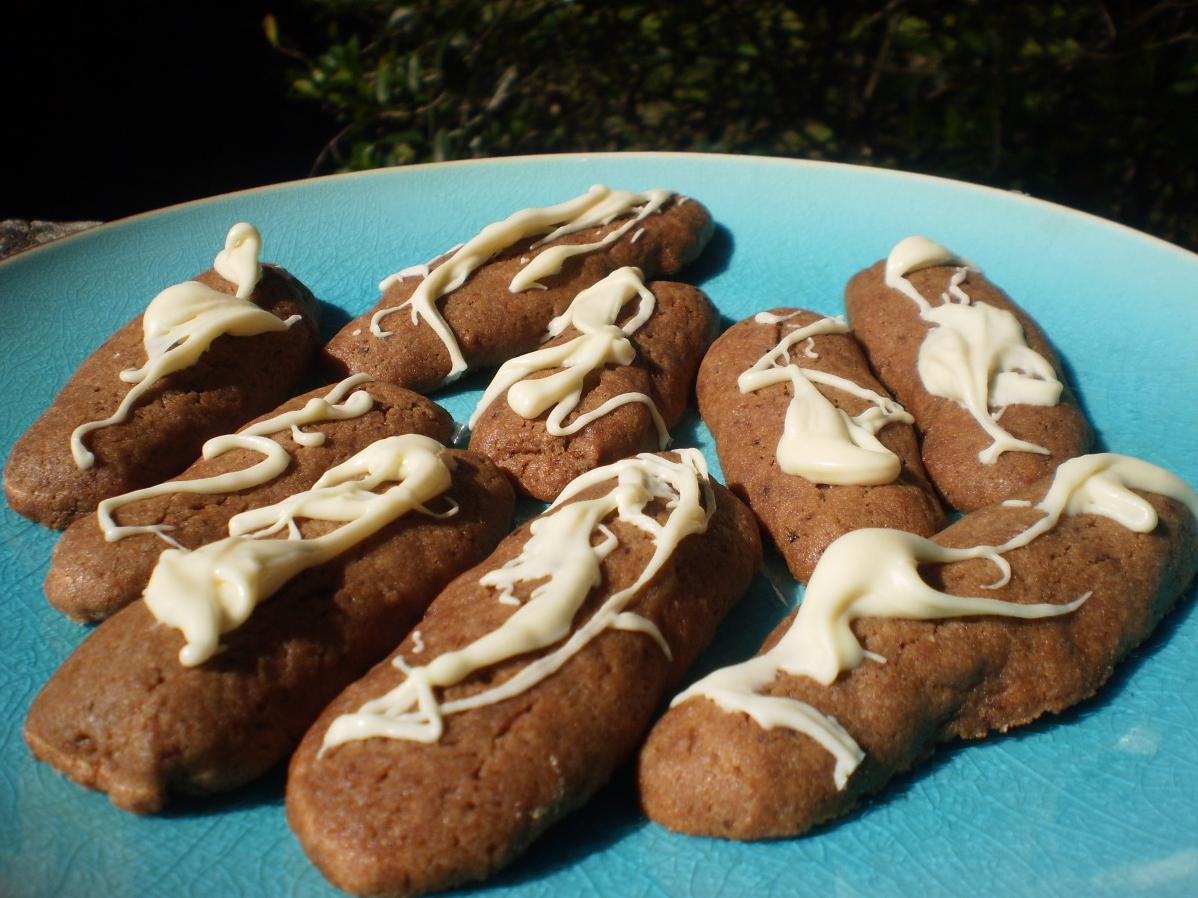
[1116, 819]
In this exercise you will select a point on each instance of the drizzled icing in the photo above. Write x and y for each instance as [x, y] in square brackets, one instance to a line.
[214, 589]
[820, 441]
[975, 355]
[875, 573]
[598, 207]
[563, 559]
[333, 406]
[181, 322]
[593, 313]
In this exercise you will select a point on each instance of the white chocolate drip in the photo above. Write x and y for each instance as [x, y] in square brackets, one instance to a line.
[562, 558]
[598, 207]
[976, 354]
[237, 263]
[414, 271]
[820, 441]
[333, 406]
[181, 322]
[214, 589]
[875, 573]
[594, 313]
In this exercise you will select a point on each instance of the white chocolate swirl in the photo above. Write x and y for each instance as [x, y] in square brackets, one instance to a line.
[562, 558]
[598, 207]
[275, 461]
[820, 442]
[875, 573]
[593, 313]
[215, 589]
[181, 322]
[976, 354]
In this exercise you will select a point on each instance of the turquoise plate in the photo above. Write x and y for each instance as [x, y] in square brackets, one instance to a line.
[1100, 801]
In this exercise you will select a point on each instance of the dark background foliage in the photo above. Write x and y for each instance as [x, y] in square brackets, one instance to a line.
[1092, 104]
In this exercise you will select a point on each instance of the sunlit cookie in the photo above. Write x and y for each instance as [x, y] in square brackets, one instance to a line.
[1017, 610]
[612, 378]
[206, 356]
[493, 296]
[981, 380]
[211, 678]
[104, 559]
[808, 437]
[529, 680]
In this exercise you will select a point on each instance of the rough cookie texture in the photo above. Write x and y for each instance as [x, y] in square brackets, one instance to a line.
[388, 817]
[669, 347]
[889, 327]
[801, 517]
[234, 380]
[493, 324]
[704, 771]
[122, 715]
[90, 578]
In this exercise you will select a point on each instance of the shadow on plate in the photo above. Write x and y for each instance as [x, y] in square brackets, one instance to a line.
[714, 260]
[265, 791]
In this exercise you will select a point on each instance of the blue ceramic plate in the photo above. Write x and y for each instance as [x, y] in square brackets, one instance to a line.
[1100, 801]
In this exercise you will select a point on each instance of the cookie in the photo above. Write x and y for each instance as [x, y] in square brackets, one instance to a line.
[140, 711]
[103, 562]
[978, 375]
[1015, 611]
[491, 298]
[612, 379]
[508, 706]
[808, 437]
[258, 324]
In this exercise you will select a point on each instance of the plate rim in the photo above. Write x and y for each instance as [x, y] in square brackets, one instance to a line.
[1185, 255]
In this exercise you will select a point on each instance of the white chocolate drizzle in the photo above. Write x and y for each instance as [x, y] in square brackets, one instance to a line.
[333, 406]
[593, 313]
[181, 322]
[598, 207]
[976, 354]
[820, 442]
[214, 589]
[563, 559]
[875, 573]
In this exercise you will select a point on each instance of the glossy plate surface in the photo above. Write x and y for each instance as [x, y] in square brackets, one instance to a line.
[1101, 801]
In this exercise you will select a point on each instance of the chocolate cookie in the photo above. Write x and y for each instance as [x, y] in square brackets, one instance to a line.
[473, 781]
[485, 318]
[91, 577]
[801, 748]
[125, 716]
[634, 400]
[837, 486]
[999, 415]
[236, 378]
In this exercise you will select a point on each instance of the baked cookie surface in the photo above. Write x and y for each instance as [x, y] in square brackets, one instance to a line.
[804, 514]
[978, 446]
[234, 380]
[126, 716]
[461, 786]
[624, 387]
[485, 320]
[880, 663]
